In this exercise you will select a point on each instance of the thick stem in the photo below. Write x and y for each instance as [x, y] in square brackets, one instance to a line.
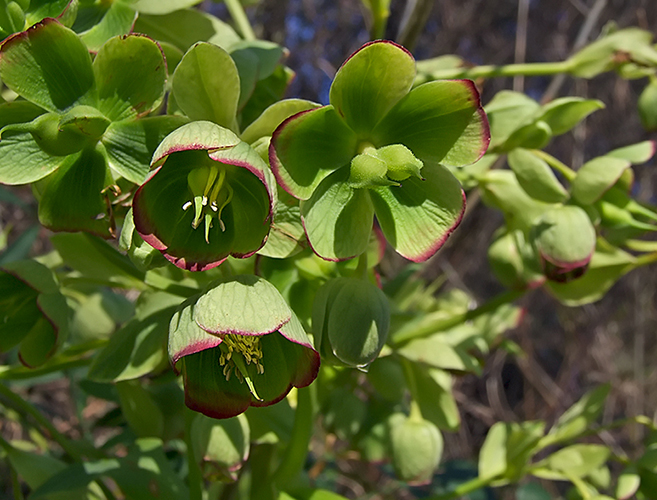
[415, 412]
[297, 449]
[241, 20]
[441, 323]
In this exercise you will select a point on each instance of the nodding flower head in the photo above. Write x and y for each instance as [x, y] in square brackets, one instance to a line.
[209, 196]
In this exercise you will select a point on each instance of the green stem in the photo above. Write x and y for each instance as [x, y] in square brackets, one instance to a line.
[22, 406]
[20, 372]
[559, 166]
[241, 20]
[416, 412]
[297, 449]
[646, 259]
[441, 323]
[194, 476]
[463, 489]
[491, 71]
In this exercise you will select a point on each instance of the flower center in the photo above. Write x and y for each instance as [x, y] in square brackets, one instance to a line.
[248, 346]
[386, 166]
[210, 195]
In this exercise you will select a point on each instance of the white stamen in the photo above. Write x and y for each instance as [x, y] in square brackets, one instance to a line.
[213, 206]
[204, 202]
[187, 205]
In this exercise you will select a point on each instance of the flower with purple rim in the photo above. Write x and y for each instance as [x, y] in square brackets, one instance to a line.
[208, 196]
[239, 345]
[381, 148]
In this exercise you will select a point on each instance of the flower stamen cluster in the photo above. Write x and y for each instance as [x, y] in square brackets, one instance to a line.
[250, 349]
[210, 195]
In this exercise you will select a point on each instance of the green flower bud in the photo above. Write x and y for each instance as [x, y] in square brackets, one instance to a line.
[351, 318]
[416, 446]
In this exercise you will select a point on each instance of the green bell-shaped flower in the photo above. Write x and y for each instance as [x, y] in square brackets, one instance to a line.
[239, 345]
[209, 196]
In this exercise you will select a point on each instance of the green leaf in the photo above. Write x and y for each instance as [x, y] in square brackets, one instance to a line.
[564, 113]
[220, 446]
[286, 234]
[435, 398]
[579, 417]
[97, 261]
[536, 177]
[501, 189]
[600, 56]
[162, 6]
[636, 154]
[21, 246]
[22, 161]
[273, 116]
[18, 112]
[308, 147]
[130, 74]
[206, 85]
[49, 66]
[595, 177]
[184, 28]
[255, 61]
[74, 197]
[370, 83]
[262, 309]
[628, 482]
[116, 20]
[438, 121]
[40, 9]
[130, 144]
[508, 111]
[648, 106]
[419, 216]
[577, 460]
[492, 457]
[433, 351]
[139, 409]
[140, 346]
[338, 219]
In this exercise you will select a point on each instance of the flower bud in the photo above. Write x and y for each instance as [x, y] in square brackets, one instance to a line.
[416, 446]
[351, 318]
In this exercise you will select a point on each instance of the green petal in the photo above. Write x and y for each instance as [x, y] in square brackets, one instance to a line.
[73, 198]
[439, 121]
[417, 217]
[307, 147]
[536, 177]
[245, 305]
[22, 161]
[49, 66]
[130, 144]
[371, 82]
[130, 74]
[206, 85]
[207, 390]
[338, 219]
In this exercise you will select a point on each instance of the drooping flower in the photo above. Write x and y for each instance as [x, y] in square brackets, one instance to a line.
[209, 196]
[239, 345]
[381, 148]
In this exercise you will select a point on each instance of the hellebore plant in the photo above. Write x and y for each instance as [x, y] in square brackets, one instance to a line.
[239, 345]
[381, 148]
[209, 196]
[81, 126]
